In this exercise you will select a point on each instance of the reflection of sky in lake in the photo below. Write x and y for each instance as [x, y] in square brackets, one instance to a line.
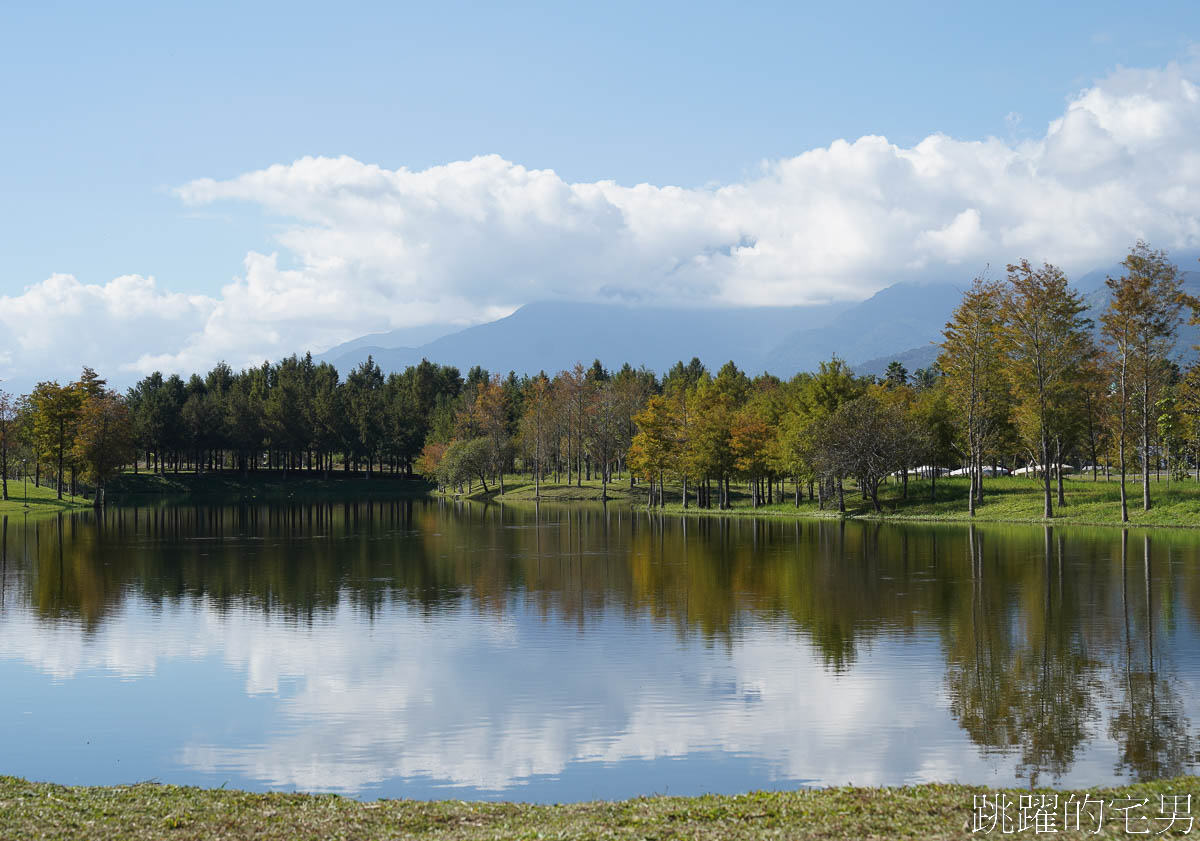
[408, 704]
[453, 700]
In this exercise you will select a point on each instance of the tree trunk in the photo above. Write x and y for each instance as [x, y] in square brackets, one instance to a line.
[1062, 501]
[971, 489]
[1047, 506]
[1146, 445]
[1122, 417]
[979, 474]
[61, 437]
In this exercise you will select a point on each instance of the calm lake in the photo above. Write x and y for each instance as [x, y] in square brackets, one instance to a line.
[429, 649]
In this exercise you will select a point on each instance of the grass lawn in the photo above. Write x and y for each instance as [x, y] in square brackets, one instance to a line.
[1006, 499]
[520, 488]
[41, 500]
[147, 811]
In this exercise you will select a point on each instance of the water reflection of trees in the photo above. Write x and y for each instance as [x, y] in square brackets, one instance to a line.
[1148, 720]
[1021, 674]
[1045, 633]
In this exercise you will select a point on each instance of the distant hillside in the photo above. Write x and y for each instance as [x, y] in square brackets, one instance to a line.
[912, 359]
[904, 316]
[782, 340]
[555, 335]
[403, 337]
[902, 322]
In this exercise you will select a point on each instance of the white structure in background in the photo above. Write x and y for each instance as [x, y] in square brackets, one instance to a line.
[1034, 470]
[987, 470]
[923, 471]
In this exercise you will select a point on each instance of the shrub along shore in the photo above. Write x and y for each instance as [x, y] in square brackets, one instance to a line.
[148, 811]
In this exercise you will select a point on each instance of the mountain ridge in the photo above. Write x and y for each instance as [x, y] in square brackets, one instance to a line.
[903, 322]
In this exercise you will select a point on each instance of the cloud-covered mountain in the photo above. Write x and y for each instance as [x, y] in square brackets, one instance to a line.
[555, 335]
[398, 338]
[902, 322]
[899, 318]
[783, 340]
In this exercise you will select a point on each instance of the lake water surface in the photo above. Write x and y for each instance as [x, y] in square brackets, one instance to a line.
[430, 649]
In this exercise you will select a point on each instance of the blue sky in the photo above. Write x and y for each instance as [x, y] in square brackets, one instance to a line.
[113, 114]
[108, 108]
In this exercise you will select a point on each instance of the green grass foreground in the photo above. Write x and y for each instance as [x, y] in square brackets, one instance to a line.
[1007, 499]
[148, 811]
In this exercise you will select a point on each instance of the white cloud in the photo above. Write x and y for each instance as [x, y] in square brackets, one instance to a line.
[400, 696]
[60, 324]
[962, 238]
[357, 701]
[373, 248]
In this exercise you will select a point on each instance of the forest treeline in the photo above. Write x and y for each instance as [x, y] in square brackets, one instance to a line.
[1024, 378]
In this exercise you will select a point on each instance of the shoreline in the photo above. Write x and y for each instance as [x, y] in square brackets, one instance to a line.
[1007, 501]
[43, 501]
[929, 810]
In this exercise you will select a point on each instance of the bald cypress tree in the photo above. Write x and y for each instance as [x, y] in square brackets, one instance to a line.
[971, 360]
[1145, 309]
[1046, 337]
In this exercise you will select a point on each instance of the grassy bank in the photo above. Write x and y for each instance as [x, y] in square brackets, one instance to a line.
[41, 501]
[1006, 500]
[146, 811]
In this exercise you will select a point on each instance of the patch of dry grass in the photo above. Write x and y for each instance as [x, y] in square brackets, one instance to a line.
[147, 811]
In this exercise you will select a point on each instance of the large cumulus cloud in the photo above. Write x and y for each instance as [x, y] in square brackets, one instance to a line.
[370, 248]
